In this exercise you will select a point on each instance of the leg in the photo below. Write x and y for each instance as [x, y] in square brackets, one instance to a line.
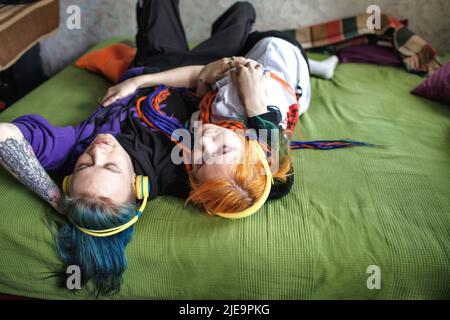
[256, 36]
[161, 40]
[229, 34]
[324, 69]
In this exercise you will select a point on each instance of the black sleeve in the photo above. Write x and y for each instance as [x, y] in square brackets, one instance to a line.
[273, 115]
[267, 121]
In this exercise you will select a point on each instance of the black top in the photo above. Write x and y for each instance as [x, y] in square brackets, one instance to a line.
[150, 150]
[150, 154]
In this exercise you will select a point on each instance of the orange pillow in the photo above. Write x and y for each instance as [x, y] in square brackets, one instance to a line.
[111, 61]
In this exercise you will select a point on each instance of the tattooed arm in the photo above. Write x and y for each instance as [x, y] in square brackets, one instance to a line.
[17, 157]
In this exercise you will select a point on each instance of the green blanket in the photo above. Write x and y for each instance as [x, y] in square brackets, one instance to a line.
[348, 210]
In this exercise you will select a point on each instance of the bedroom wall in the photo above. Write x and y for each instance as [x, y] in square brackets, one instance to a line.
[101, 19]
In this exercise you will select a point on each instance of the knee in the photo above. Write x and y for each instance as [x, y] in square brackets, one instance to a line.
[8, 130]
[244, 6]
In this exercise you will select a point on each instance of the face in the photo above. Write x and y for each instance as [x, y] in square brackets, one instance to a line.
[104, 171]
[216, 151]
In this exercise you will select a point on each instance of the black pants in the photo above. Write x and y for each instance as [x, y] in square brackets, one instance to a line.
[161, 39]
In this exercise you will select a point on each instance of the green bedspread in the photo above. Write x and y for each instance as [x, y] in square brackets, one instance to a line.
[348, 210]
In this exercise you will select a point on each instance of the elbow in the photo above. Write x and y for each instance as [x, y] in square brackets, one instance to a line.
[9, 131]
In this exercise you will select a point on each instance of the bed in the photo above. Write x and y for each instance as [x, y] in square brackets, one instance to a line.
[349, 210]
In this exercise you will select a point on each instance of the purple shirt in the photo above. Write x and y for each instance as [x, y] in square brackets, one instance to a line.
[58, 148]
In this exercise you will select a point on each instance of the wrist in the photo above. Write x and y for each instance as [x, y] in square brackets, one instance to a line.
[255, 107]
[202, 78]
[141, 81]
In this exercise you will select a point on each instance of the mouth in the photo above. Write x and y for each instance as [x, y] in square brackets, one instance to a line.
[102, 142]
[102, 139]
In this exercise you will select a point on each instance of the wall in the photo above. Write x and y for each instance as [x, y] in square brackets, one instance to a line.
[105, 18]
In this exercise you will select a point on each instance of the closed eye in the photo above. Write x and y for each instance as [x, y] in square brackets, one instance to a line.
[228, 149]
[112, 167]
[108, 166]
[83, 166]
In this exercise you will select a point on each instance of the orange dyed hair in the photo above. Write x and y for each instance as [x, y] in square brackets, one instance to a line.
[240, 192]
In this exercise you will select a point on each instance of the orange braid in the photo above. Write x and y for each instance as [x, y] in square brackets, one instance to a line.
[205, 106]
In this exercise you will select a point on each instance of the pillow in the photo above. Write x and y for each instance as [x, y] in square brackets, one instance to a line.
[110, 62]
[437, 86]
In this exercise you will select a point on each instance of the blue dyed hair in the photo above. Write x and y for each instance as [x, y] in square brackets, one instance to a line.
[101, 260]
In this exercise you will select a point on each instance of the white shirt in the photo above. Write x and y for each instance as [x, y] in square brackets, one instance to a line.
[280, 57]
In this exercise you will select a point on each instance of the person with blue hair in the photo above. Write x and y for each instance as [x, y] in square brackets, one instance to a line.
[103, 157]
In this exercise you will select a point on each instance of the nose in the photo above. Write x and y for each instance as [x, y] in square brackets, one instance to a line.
[209, 147]
[98, 154]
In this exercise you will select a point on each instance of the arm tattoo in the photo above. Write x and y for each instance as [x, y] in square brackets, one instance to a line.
[18, 158]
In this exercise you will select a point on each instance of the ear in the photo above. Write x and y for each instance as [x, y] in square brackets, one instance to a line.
[133, 182]
[133, 188]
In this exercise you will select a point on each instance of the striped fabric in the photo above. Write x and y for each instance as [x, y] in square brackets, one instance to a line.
[24, 25]
[417, 55]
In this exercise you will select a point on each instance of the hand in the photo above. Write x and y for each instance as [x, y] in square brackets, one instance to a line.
[120, 91]
[250, 81]
[215, 71]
